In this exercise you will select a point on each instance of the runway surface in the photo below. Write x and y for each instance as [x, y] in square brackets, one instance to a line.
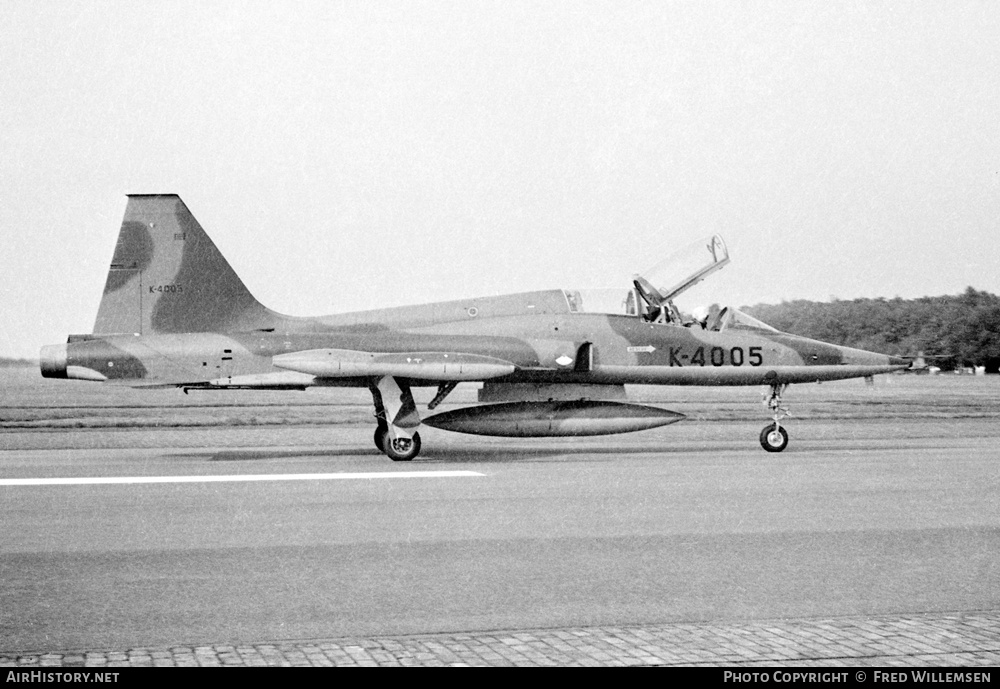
[691, 524]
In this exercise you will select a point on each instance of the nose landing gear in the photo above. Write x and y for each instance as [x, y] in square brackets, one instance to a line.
[774, 438]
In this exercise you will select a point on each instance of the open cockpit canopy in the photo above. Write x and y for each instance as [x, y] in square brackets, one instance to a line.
[652, 292]
[682, 270]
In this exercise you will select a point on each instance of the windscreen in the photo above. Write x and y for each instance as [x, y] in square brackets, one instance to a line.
[737, 320]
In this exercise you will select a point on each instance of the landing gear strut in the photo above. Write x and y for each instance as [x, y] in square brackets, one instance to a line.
[774, 438]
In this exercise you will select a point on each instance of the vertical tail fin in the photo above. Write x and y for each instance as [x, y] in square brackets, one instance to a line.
[167, 276]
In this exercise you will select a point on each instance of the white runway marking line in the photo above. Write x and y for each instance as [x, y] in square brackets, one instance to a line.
[235, 478]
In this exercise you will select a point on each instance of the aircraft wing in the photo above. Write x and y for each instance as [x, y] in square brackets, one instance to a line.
[438, 366]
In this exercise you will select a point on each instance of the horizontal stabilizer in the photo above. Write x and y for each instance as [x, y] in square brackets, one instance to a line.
[443, 366]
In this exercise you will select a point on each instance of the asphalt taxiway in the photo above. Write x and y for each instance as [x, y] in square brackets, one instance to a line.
[694, 524]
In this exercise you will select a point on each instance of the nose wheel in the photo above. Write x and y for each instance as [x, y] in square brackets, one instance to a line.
[774, 438]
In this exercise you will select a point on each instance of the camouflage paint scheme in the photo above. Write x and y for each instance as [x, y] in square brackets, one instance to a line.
[174, 313]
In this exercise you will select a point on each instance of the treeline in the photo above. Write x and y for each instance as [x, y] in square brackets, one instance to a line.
[952, 331]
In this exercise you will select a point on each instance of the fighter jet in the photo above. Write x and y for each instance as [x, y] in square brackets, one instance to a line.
[551, 363]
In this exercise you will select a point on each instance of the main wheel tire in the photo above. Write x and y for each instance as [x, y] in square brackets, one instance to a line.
[773, 438]
[402, 449]
[380, 433]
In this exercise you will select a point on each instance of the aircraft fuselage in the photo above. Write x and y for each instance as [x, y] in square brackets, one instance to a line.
[544, 347]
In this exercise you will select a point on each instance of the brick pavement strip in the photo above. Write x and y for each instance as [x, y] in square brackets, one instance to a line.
[932, 639]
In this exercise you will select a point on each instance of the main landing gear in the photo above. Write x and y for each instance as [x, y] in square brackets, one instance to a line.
[774, 438]
[397, 418]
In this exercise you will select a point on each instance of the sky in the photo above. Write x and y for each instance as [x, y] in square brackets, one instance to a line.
[353, 155]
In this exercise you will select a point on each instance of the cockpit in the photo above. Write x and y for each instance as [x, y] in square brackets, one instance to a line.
[652, 293]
